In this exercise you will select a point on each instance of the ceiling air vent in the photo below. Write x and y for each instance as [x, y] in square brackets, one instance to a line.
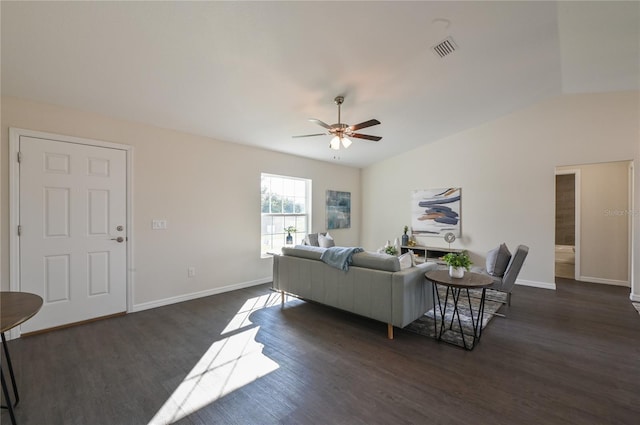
[445, 47]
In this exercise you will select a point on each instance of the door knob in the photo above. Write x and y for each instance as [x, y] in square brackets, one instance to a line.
[118, 239]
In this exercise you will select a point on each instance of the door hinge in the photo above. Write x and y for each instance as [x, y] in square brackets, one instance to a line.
[19, 229]
[19, 157]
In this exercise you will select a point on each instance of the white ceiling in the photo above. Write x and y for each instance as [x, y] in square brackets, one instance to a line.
[253, 72]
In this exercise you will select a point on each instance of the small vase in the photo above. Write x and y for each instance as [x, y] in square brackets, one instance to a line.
[456, 272]
[289, 239]
[405, 240]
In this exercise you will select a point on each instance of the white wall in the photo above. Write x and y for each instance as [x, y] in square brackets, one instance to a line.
[208, 191]
[506, 169]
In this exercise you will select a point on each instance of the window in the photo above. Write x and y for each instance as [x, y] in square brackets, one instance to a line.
[285, 202]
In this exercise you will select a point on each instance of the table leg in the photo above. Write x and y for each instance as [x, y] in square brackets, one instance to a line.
[456, 311]
[456, 296]
[5, 391]
[473, 322]
[434, 290]
[443, 313]
[10, 366]
[481, 312]
[477, 326]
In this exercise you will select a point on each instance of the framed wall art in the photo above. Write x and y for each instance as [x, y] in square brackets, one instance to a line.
[338, 210]
[435, 212]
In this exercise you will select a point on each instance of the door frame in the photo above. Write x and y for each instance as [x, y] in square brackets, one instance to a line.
[576, 173]
[630, 214]
[14, 204]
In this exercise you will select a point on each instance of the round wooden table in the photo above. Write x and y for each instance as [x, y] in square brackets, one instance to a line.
[470, 280]
[15, 309]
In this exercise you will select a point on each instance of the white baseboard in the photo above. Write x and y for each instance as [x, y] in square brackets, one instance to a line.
[194, 295]
[533, 283]
[634, 298]
[604, 281]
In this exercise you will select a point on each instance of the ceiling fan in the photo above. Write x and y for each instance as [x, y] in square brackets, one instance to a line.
[340, 131]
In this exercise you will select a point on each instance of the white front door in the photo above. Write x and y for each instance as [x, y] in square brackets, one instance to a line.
[73, 236]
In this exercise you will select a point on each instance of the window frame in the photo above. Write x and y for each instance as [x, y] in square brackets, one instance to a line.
[308, 204]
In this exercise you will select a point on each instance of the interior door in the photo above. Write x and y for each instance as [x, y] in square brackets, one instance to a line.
[73, 239]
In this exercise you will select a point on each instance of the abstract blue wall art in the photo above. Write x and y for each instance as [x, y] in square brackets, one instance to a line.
[435, 212]
[338, 210]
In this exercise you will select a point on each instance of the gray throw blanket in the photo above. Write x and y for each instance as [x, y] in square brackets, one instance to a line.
[339, 257]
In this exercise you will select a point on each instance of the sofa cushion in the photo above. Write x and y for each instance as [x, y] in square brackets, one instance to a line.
[498, 260]
[373, 260]
[304, 251]
[326, 241]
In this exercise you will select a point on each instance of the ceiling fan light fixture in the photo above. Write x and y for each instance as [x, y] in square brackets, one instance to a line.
[335, 143]
[340, 130]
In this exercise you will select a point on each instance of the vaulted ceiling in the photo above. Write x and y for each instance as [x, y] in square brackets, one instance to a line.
[254, 72]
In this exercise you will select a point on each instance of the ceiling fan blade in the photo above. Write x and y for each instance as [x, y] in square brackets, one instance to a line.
[320, 123]
[364, 125]
[310, 135]
[366, 137]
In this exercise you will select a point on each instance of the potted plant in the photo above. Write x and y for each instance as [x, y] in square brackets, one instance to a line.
[290, 230]
[458, 262]
[405, 237]
[391, 250]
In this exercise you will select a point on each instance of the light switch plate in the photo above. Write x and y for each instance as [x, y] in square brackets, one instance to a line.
[158, 224]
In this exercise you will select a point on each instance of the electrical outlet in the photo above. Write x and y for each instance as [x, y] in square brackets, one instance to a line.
[191, 272]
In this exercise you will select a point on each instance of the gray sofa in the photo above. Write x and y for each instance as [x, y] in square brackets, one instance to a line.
[374, 286]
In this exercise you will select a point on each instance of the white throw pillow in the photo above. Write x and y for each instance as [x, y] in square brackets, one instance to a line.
[405, 261]
[326, 241]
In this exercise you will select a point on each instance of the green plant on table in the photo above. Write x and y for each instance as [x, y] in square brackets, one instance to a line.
[290, 230]
[391, 250]
[406, 229]
[458, 259]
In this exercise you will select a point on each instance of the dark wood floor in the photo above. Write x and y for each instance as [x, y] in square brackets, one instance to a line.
[566, 357]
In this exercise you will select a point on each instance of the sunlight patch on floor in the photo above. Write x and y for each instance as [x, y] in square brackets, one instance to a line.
[241, 319]
[228, 364]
